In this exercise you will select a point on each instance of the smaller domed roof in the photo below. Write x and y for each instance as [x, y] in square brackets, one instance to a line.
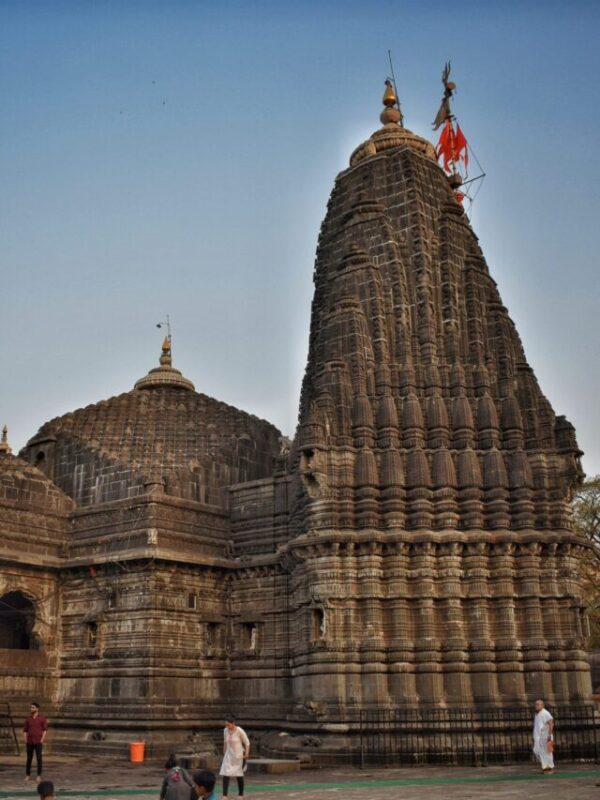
[24, 486]
[165, 374]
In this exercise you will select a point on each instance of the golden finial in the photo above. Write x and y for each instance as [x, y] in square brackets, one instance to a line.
[389, 96]
[393, 133]
[391, 114]
[166, 374]
[165, 358]
[4, 446]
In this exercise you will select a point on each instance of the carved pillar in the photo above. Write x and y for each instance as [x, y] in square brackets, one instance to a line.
[509, 666]
[418, 481]
[455, 643]
[401, 651]
[477, 589]
[551, 620]
[535, 654]
[366, 483]
[443, 478]
[373, 655]
[469, 484]
[392, 489]
[430, 684]
[495, 481]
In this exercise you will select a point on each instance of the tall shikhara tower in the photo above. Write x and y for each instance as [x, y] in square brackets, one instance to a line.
[430, 538]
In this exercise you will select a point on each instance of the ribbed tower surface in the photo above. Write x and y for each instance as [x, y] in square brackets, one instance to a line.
[430, 516]
[418, 400]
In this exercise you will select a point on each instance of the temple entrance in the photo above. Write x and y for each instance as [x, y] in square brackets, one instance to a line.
[17, 618]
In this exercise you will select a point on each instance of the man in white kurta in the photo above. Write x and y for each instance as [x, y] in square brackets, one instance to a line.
[543, 737]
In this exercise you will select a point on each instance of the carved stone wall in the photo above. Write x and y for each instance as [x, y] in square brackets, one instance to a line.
[33, 539]
[428, 621]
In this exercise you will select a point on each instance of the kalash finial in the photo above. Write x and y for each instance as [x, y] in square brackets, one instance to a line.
[391, 114]
[165, 375]
[4, 445]
[393, 133]
[166, 359]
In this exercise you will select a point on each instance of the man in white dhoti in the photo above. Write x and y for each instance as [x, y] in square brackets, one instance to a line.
[543, 736]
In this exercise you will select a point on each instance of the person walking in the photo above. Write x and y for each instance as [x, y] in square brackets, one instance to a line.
[34, 732]
[177, 783]
[543, 736]
[236, 750]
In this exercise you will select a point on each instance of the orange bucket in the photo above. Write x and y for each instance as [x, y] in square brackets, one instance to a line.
[136, 752]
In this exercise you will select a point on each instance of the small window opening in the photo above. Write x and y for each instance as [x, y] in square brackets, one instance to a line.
[307, 471]
[91, 634]
[250, 637]
[307, 458]
[319, 624]
[113, 599]
[192, 600]
[17, 618]
[40, 458]
[213, 634]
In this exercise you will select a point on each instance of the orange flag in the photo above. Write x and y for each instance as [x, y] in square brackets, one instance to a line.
[460, 146]
[445, 145]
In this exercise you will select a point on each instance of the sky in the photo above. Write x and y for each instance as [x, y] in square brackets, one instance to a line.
[173, 157]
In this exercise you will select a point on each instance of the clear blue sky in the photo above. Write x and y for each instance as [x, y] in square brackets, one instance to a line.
[176, 157]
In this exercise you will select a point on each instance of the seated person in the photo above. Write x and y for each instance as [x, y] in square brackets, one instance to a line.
[176, 784]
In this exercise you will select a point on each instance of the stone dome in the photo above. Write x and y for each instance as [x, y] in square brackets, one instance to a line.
[161, 436]
[24, 486]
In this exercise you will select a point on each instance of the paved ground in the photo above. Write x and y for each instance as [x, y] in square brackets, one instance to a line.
[118, 780]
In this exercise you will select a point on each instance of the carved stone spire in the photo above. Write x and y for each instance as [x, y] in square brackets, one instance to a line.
[414, 348]
[438, 460]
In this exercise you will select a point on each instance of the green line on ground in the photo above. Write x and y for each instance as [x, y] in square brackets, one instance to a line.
[297, 787]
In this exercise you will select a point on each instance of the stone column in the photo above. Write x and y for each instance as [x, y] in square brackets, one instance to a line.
[509, 665]
[535, 653]
[429, 680]
[373, 650]
[401, 652]
[477, 590]
[455, 645]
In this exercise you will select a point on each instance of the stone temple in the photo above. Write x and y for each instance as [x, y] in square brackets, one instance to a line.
[165, 557]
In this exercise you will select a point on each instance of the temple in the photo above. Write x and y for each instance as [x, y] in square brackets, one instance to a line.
[165, 557]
